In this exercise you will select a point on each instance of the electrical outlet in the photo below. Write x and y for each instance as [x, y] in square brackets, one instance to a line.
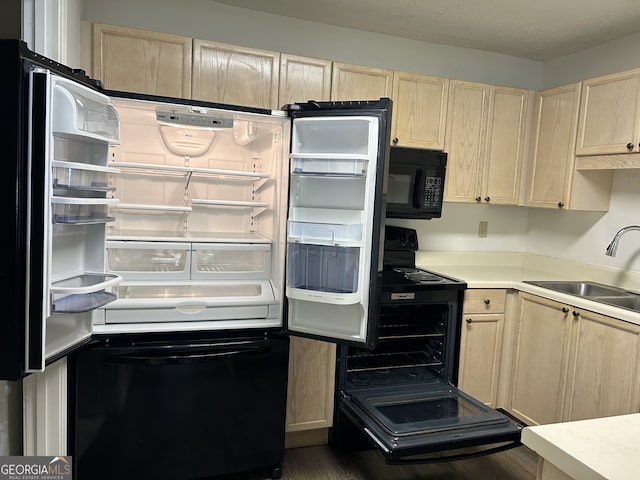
[483, 228]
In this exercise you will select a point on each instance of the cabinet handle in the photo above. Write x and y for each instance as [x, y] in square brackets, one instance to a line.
[575, 313]
[487, 199]
[565, 310]
[561, 204]
[487, 301]
[469, 320]
[478, 199]
[395, 140]
[630, 146]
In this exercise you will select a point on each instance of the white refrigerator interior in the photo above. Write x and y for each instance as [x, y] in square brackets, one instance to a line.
[330, 227]
[199, 229]
[73, 140]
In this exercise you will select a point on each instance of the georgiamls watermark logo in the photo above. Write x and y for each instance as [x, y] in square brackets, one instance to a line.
[35, 468]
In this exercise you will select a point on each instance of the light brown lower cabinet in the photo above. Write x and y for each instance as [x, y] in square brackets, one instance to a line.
[572, 364]
[311, 386]
[481, 343]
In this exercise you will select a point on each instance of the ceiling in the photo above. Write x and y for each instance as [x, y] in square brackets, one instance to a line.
[534, 29]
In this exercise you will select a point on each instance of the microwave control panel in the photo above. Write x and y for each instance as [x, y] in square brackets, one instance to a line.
[432, 192]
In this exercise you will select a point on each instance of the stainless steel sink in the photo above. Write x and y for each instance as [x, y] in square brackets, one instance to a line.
[582, 288]
[596, 292]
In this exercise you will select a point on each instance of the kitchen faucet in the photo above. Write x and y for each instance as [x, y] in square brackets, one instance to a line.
[613, 246]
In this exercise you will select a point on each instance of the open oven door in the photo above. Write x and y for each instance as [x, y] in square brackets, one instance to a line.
[408, 424]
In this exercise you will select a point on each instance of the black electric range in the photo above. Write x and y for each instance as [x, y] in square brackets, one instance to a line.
[401, 396]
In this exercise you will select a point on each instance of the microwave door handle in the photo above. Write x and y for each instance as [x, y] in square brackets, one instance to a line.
[417, 189]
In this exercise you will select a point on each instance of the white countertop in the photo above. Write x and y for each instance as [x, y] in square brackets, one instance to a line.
[601, 448]
[496, 275]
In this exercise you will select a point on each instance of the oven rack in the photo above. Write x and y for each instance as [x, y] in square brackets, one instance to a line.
[399, 331]
[385, 361]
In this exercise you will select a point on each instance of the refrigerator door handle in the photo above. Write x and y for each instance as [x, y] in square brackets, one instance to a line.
[36, 295]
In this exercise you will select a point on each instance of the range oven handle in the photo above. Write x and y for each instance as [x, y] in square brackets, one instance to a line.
[453, 458]
[183, 357]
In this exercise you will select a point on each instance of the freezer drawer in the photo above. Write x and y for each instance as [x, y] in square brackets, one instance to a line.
[407, 423]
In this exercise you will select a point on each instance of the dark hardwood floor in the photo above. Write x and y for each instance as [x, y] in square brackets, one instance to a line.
[323, 463]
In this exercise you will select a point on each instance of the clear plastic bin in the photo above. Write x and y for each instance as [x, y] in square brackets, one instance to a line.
[323, 268]
[83, 177]
[81, 111]
[143, 260]
[77, 211]
[324, 232]
[329, 166]
[354, 135]
[83, 293]
[235, 261]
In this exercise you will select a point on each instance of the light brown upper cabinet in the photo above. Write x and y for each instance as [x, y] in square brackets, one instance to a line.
[235, 75]
[303, 78]
[553, 180]
[419, 110]
[141, 61]
[610, 115]
[356, 82]
[485, 137]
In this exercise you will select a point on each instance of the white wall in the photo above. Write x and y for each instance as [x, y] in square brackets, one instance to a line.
[580, 236]
[209, 20]
[610, 57]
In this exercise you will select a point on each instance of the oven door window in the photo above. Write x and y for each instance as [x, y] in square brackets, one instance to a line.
[421, 420]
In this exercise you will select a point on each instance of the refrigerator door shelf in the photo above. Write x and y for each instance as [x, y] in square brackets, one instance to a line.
[82, 293]
[76, 176]
[324, 297]
[80, 111]
[333, 164]
[81, 211]
[324, 233]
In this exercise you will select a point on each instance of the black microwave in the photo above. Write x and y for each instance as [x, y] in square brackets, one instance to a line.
[415, 183]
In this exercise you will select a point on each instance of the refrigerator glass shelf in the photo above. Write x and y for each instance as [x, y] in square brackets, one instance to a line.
[236, 174]
[227, 203]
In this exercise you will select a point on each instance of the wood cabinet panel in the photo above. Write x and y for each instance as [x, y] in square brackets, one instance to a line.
[610, 114]
[604, 372]
[311, 384]
[357, 82]
[303, 78]
[140, 61]
[464, 142]
[506, 134]
[480, 349]
[235, 75]
[419, 110]
[539, 373]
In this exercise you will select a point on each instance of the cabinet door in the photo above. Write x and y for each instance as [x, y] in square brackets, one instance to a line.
[356, 82]
[506, 133]
[419, 110]
[235, 75]
[464, 140]
[480, 348]
[555, 119]
[540, 370]
[610, 114]
[143, 62]
[311, 384]
[604, 372]
[303, 78]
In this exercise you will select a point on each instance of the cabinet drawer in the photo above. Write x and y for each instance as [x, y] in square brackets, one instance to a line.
[484, 300]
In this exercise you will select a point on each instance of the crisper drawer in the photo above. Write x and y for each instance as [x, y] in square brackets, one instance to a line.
[149, 260]
[322, 268]
[219, 261]
[184, 302]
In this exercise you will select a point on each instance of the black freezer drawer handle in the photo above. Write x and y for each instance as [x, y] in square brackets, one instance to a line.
[186, 356]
